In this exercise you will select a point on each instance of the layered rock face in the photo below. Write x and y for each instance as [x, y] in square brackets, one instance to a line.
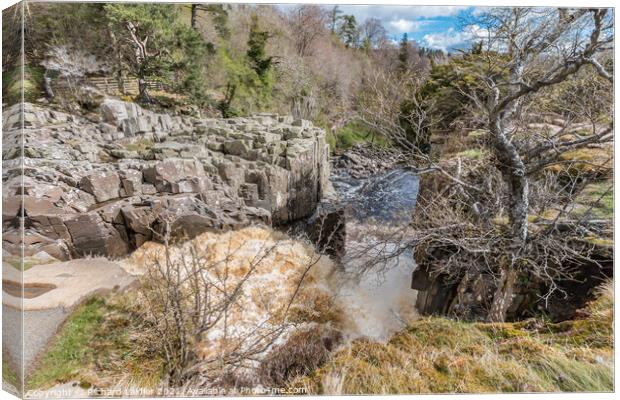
[105, 187]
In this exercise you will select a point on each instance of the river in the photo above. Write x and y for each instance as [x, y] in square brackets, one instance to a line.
[373, 285]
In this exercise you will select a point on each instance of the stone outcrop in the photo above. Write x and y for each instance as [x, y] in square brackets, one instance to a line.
[327, 229]
[469, 297]
[106, 186]
[364, 161]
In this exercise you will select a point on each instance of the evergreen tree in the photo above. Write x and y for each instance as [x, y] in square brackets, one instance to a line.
[217, 12]
[333, 18]
[348, 31]
[160, 45]
[430, 53]
[366, 45]
[403, 54]
[259, 61]
[476, 48]
[250, 78]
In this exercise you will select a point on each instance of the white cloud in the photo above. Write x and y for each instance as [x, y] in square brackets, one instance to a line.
[406, 25]
[400, 19]
[452, 39]
[402, 25]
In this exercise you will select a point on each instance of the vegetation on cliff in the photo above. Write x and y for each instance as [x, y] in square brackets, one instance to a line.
[229, 60]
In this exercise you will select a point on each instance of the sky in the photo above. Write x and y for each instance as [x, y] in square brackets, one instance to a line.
[438, 27]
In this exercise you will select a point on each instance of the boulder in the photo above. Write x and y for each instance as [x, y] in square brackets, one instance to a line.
[164, 174]
[131, 180]
[237, 147]
[327, 230]
[104, 185]
[115, 111]
[92, 236]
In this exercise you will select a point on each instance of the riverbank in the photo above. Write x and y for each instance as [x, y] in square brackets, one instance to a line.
[437, 355]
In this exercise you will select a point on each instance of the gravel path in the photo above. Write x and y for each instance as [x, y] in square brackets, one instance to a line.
[39, 328]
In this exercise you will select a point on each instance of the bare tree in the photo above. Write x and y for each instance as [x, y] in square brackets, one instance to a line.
[142, 55]
[380, 108]
[391, 105]
[373, 32]
[540, 48]
[307, 24]
[527, 51]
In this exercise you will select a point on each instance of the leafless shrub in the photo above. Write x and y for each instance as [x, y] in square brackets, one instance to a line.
[540, 48]
[307, 25]
[204, 316]
[389, 104]
[457, 239]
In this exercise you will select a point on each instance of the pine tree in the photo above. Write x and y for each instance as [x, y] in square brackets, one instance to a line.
[259, 61]
[403, 54]
[476, 48]
[160, 45]
[348, 31]
[333, 18]
[218, 14]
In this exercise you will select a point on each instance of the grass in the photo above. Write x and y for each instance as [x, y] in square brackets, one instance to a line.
[585, 160]
[471, 153]
[600, 195]
[72, 349]
[331, 140]
[27, 264]
[8, 374]
[479, 133]
[32, 84]
[171, 101]
[94, 345]
[322, 121]
[355, 133]
[437, 355]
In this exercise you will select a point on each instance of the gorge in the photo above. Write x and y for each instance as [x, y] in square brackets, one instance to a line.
[234, 199]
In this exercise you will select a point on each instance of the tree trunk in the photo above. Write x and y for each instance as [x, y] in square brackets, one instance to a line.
[504, 294]
[118, 68]
[143, 90]
[194, 15]
[513, 173]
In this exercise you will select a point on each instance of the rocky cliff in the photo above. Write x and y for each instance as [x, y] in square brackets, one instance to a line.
[107, 183]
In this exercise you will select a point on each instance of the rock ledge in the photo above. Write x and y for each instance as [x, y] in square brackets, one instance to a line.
[106, 187]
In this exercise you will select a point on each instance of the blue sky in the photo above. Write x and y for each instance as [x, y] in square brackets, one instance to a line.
[438, 27]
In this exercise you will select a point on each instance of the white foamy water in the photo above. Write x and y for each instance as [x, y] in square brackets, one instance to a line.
[257, 315]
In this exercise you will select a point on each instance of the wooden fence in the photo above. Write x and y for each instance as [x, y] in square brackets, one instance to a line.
[106, 84]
